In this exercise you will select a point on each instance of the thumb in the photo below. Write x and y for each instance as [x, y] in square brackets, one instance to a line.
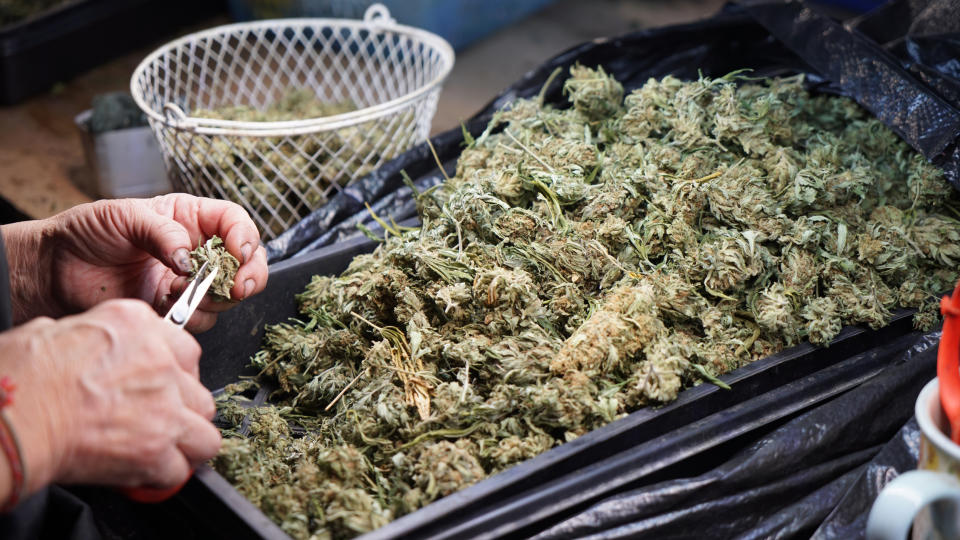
[158, 235]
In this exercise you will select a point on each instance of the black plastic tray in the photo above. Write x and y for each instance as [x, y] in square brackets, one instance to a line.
[64, 41]
[529, 493]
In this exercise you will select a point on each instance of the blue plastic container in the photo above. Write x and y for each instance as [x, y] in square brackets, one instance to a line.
[461, 22]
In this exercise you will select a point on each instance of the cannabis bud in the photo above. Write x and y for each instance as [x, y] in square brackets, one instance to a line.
[213, 252]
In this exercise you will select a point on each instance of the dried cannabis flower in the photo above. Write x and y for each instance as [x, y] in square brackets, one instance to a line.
[213, 252]
[583, 263]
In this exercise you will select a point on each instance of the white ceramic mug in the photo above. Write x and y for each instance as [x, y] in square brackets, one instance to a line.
[926, 499]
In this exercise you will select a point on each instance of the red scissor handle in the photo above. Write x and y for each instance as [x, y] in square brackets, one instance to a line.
[948, 362]
[152, 495]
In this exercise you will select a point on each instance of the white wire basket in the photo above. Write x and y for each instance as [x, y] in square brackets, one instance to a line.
[390, 75]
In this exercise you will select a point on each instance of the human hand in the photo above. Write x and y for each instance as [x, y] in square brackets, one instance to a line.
[110, 396]
[128, 248]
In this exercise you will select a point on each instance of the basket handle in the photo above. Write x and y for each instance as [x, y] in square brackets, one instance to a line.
[177, 118]
[378, 14]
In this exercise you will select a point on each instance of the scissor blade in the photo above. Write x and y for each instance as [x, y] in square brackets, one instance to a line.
[188, 302]
[198, 292]
[190, 290]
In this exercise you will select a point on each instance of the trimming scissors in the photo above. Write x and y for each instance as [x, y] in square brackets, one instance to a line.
[193, 293]
[178, 315]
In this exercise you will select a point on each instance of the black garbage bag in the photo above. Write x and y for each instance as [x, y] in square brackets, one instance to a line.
[914, 99]
[910, 80]
[849, 518]
[818, 473]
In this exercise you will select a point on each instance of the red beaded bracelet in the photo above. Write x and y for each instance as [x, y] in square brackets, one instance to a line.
[11, 445]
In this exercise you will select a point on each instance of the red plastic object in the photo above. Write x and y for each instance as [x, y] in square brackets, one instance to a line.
[152, 495]
[948, 362]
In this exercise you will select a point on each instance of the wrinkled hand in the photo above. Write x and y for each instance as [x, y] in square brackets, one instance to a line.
[128, 248]
[110, 396]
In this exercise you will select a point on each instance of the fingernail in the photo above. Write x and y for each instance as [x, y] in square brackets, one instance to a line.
[181, 257]
[248, 286]
[245, 251]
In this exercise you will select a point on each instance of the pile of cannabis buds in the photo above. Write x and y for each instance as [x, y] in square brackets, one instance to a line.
[583, 263]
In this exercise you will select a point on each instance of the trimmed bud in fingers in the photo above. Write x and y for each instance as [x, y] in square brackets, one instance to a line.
[225, 219]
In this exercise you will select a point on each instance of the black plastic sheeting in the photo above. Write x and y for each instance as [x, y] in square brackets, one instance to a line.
[815, 475]
[901, 62]
[917, 106]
